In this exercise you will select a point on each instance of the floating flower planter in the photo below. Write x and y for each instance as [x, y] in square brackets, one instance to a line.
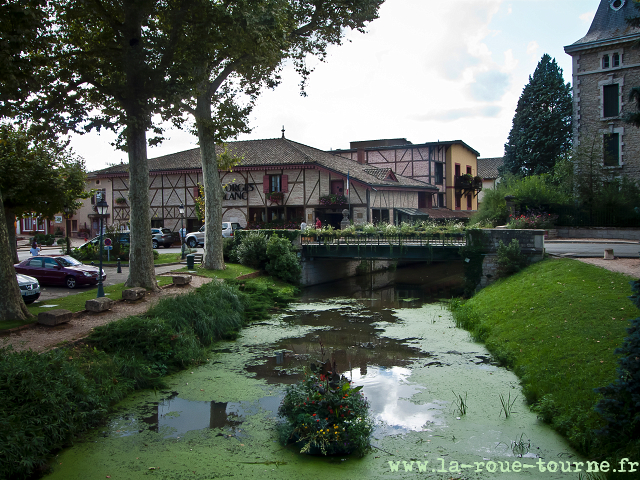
[324, 415]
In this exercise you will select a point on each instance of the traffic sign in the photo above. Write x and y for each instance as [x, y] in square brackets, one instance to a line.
[107, 242]
[108, 247]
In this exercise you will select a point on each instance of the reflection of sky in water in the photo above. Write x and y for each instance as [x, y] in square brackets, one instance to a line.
[388, 393]
[387, 390]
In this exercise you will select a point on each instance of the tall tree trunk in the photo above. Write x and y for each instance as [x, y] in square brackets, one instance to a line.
[141, 267]
[136, 105]
[11, 230]
[212, 258]
[12, 306]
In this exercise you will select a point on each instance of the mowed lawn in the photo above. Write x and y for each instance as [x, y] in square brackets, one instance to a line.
[557, 324]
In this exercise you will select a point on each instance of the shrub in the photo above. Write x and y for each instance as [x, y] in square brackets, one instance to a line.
[620, 403]
[283, 261]
[229, 250]
[510, 258]
[47, 399]
[493, 209]
[252, 250]
[212, 312]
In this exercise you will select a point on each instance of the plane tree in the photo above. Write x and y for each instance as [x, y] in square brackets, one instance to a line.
[118, 65]
[247, 43]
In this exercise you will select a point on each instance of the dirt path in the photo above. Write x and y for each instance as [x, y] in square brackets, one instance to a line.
[628, 266]
[40, 338]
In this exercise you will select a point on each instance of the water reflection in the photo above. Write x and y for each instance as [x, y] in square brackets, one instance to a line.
[388, 392]
[344, 331]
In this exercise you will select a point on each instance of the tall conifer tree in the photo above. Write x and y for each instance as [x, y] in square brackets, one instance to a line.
[541, 131]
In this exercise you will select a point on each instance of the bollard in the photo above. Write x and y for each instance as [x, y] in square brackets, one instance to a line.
[119, 267]
[191, 259]
[608, 254]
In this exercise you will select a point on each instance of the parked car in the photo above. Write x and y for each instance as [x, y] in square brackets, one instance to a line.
[59, 270]
[29, 288]
[164, 237]
[125, 239]
[229, 228]
[197, 238]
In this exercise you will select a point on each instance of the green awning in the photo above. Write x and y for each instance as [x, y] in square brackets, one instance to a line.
[413, 212]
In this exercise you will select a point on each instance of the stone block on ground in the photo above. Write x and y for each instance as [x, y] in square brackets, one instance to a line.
[134, 293]
[97, 305]
[181, 279]
[608, 254]
[54, 317]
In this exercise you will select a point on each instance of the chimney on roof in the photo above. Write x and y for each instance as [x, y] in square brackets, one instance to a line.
[361, 156]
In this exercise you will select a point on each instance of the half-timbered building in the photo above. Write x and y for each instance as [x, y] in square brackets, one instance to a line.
[436, 163]
[277, 181]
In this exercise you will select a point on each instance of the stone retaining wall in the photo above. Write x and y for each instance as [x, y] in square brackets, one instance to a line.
[604, 233]
[531, 244]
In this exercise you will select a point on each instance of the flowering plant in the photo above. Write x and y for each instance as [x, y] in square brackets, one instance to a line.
[532, 220]
[333, 200]
[324, 414]
[275, 197]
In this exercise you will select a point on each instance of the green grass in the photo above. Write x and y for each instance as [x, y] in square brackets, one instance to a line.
[75, 302]
[232, 271]
[557, 324]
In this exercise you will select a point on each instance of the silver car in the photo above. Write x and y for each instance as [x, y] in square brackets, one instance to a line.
[195, 239]
[29, 288]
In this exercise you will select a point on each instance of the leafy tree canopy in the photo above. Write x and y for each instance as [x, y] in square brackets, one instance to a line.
[541, 131]
[38, 177]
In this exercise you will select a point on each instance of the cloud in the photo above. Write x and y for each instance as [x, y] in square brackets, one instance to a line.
[532, 49]
[489, 86]
[451, 115]
[587, 17]
[457, 36]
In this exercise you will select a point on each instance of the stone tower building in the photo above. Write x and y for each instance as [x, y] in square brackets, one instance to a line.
[606, 66]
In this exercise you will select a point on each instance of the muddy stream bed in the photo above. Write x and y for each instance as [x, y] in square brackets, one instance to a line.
[390, 333]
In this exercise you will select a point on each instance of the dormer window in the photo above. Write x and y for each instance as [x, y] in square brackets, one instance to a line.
[615, 60]
[605, 61]
[616, 4]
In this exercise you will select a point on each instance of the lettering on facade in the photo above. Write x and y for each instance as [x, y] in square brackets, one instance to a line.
[235, 191]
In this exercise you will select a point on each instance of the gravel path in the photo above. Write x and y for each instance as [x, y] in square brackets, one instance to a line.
[40, 338]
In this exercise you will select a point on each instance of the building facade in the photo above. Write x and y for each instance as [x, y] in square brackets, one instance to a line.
[606, 66]
[436, 163]
[277, 182]
[488, 171]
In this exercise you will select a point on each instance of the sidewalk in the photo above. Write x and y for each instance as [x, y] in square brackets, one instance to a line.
[592, 240]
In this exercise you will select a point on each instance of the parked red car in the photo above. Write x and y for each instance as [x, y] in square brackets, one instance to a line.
[59, 270]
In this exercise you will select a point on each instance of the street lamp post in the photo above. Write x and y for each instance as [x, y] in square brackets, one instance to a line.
[181, 210]
[101, 209]
[67, 212]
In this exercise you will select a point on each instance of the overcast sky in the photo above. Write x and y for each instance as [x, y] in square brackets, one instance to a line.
[426, 70]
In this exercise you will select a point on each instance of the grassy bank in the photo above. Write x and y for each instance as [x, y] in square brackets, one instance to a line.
[49, 398]
[557, 324]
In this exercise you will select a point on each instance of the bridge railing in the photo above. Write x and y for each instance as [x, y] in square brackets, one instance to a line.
[434, 240]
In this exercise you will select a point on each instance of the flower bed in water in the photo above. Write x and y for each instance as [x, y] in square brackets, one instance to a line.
[324, 415]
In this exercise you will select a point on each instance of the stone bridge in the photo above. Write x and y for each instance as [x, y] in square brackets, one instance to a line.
[328, 258]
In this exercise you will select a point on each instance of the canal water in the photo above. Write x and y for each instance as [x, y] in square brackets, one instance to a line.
[390, 332]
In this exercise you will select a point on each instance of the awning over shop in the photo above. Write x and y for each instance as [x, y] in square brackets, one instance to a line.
[412, 212]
